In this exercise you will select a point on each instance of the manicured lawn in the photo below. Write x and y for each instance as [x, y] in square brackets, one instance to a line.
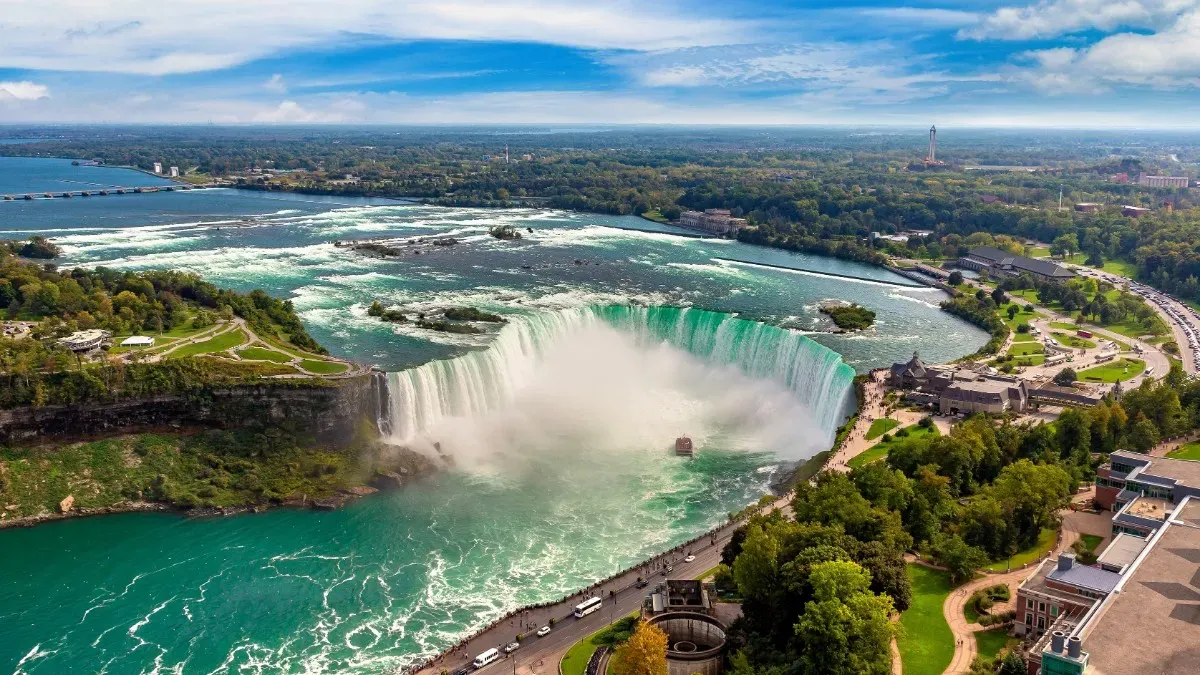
[1063, 325]
[1074, 341]
[1121, 267]
[926, 645]
[1039, 251]
[880, 450]
[323, 367]
[214, 344]
[1115, 371]
[1032, 360]
[1090, 541]
[880, 427]
[656, 216]
[1021, 317]
[990, 642]
[970, 613]
[1186, 451]
[1022, 337]
[1045, 542]
[1026, 348]
[260, 354]
[575, 661]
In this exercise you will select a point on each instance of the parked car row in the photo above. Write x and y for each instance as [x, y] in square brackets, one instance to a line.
[1178, 313]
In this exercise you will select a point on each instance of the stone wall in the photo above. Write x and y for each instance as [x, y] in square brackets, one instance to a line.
[331, 412]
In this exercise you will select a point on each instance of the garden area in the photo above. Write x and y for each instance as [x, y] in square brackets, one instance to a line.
[880, 450]
[575, 661]
[1186, 451]
[1114, 371]
[880, 427]
[926, 644]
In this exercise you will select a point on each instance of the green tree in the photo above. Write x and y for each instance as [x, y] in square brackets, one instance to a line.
[845, 629]
[756, 568]
[1143, 435]
[1012, 664]
[958, 557]
[1012, 311]
[1066, 377]
[956, 278]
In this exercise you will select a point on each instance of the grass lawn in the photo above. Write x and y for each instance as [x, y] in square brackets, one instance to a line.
[1045, 542]
[1114, 371]
[575, 661]
[1122, 267]
[1074, 341]
[1186, 451]
[990, 642]
[1021, 316]
[323, 367]
[1039, 251]
[214, 344]
[1026, 348]
[656, 216]
[260, 354]
[1063, 325]
[880, 450]
[880, 427]
[1032, 360]
[1022, 337]
[970, 613]
[926, 645]
[1090, 541]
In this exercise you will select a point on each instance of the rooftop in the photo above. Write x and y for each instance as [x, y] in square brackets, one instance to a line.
[1083, 576]
[1121, 551]
[1183, 470]
[1150, 507]
[1151, 623]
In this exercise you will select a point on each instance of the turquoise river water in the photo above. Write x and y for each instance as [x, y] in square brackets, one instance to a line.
[621, 336]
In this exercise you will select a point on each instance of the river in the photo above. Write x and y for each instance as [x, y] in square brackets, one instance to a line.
[561, 416]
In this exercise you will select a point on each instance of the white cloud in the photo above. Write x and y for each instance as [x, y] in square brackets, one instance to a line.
[290, 112]
[873, 73]
[180, 37]
[1167, 59]
[923, 16]
[275, 84]
[23, 91]
[1051, 18]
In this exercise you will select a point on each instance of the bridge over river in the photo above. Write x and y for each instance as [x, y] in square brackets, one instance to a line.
[100, 192]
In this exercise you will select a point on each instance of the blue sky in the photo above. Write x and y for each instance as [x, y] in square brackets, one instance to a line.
[1057, 63]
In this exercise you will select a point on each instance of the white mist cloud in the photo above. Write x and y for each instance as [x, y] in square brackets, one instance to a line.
[275, 84]
[597, 392]
[23, 91]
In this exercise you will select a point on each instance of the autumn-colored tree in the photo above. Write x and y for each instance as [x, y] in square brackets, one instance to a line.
[645, 653]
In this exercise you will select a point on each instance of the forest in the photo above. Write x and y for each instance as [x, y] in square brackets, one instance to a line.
[818, 586]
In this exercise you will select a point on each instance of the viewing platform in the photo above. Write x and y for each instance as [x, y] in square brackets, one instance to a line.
[99, 192]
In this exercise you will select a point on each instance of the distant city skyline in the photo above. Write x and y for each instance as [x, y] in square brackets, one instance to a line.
[1046, 63]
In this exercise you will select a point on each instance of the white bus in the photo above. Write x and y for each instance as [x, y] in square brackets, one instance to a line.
[487, 657]
[587, 607]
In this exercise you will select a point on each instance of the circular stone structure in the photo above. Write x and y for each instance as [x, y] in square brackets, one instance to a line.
[695, 642]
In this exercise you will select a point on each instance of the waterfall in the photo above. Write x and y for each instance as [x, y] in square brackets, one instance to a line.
[485, 380]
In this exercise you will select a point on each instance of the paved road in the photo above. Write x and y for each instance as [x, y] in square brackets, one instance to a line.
[540, 656]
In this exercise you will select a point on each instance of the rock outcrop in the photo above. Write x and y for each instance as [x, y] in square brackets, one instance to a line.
[329, 411]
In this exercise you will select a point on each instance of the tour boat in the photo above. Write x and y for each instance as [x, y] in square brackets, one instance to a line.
[683, 447]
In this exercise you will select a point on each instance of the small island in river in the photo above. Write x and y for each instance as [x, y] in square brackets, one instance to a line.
[849, 316]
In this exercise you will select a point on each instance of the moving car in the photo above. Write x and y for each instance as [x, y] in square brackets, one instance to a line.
[690, 558]
[512, 647]
[543, 631]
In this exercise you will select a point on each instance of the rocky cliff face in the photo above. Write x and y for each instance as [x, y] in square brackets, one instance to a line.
[330, 413]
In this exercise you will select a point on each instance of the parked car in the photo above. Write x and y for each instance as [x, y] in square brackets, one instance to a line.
[690, 558]
[642, 583]
[543, 631]
[512, 647]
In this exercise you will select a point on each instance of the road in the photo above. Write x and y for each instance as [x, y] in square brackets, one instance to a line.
[1184, 323]
[539, 656]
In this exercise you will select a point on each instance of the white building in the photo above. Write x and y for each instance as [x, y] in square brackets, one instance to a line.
[138, 341]
[85, 340]
[1163, 181]
[174, 172]
[717, 221]
[158, 167]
